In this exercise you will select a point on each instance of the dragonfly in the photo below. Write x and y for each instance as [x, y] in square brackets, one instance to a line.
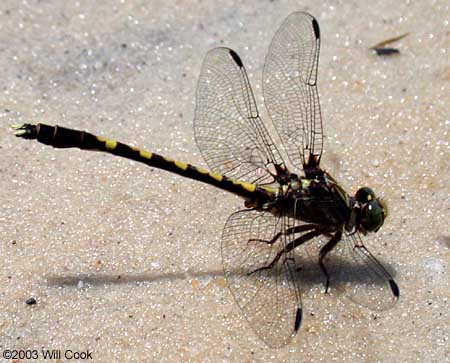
[282, 210]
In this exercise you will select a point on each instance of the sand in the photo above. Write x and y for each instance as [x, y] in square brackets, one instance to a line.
[124, 260]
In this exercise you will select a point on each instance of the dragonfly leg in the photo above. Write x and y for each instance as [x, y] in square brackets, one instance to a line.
[324, 252]
[290, 246]
[296, 229]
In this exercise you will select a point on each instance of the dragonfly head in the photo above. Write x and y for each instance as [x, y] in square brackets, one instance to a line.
[372, 210]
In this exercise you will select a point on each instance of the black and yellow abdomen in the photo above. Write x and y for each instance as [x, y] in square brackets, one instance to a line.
[61, 137]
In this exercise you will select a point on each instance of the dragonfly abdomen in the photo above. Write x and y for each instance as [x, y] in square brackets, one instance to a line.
[61, 137]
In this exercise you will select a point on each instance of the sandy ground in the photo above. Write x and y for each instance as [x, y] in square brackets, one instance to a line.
[124, 261]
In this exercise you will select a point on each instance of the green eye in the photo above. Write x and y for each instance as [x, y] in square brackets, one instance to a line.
[372, 216]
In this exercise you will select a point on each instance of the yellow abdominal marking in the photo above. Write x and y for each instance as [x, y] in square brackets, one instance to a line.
[145, 154]
[215, 176]
[109, 144]
[181, 165]
[178, 164]
[202, 171]
[247, 186]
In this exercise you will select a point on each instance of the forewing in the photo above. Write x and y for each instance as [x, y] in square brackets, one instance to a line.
[361, 276]
[290, 88]
[270, 298]
[228, 129]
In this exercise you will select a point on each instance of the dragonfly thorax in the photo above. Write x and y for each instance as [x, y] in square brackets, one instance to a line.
[318, 200]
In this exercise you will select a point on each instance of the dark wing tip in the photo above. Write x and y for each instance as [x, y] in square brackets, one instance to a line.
[298, 319]
[236, 58]
[394, 288]
[316, 28]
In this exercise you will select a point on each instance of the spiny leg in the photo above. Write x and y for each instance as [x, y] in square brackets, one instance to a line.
[287, 232]
[324, 252]
[289, 247]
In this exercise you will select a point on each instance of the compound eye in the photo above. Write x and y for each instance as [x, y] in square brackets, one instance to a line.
[372, 216]
[365, 195]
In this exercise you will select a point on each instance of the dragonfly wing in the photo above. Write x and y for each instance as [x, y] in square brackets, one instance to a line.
[270, 298]
[228, 129]
[290, 88]
[361, 277]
